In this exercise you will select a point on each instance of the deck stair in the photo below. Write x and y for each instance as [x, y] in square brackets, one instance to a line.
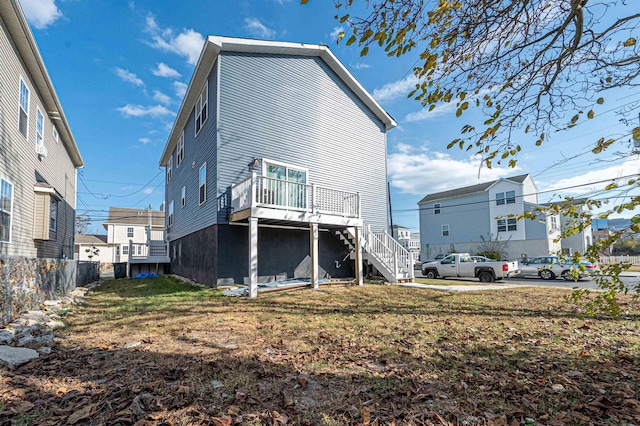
[382, 251]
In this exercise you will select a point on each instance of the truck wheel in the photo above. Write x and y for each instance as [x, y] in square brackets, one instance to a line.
[546, 274]
[485, 277]
[431, 274]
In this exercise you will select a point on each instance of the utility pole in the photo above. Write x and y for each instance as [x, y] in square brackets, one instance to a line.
[390, 210]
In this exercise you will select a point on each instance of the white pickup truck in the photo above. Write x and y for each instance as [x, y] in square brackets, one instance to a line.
[461, 265]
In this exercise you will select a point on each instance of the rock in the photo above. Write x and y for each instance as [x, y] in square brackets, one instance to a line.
[16, 356]
[558, 388]
[216, 384]
[230, 345]
[45, 350]
[52, 303]
[25, 340]
[54, 324]
[132, 345]
[6, 336]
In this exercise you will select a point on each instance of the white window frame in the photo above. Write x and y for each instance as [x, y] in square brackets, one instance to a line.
[510, 197]
[125, 249]
[502, 225]
[183, 196]
[56, 137]
[202, 184]
[512, 224]
[39, 127]
[130, 232]
[553, 223]
[170, 168]
[202, 108]
[436, 208]
[117, 250]
[446, 230]
[180, 150]
[53, 214]
[10, 211]
[21, 107]
[266, 162]
[170, 216]
[500, 199]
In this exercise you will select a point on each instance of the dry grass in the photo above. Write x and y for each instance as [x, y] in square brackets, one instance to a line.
[341, 355]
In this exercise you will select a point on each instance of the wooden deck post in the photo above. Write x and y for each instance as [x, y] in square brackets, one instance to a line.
[358, 271]
[253, 257]
[313, 251]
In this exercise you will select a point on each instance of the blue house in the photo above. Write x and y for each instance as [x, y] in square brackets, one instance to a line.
[276, 166]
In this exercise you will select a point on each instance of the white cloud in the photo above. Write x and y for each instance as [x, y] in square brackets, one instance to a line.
[144, 141]
[161, 97]
[41, 13]
[257, 29]
[333, 35]
[396, 89]
[164, 70]
[424, 114]
[142, 111]
[360, 66]
[148, 191]
[416, 170]
[589, 182]
[129, 77]
[180, 88]
[187, 44]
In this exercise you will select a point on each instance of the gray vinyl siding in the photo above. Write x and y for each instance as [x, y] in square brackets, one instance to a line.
[534, 229]
[468, 218]
[197, 150]
[296, 110]
[19, 163]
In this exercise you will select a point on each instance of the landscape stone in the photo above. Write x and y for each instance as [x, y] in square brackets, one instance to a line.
[217, 384]
[52, 303]
[132, 345]
[14, 357]
[25, 340]
[6, 336]
[55, 324]
[45, 350]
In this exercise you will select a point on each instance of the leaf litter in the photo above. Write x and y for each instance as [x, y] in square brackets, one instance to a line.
[372, 355]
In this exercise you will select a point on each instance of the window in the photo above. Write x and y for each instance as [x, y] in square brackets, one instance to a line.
[286, 185]
[436, 208]
[500, 198]
[170, 168]
[201, 108]
[170, 219]
[129, 232]
[53, 215]
[180, 155]
[553, 222]
[125, 249]
[23, 118]
[511, 197]
[39, 127]
[202, 183]
[509, 224]
[445, 230]
[55, 134]
[183, 197]
[6, 210]
[117, 250]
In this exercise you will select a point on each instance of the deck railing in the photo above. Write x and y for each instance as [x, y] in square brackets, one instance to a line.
[285, 195]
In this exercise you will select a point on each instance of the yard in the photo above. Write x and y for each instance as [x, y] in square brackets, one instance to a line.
[156, 351]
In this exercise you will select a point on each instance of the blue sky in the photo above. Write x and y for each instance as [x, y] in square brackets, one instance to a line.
[121, 67]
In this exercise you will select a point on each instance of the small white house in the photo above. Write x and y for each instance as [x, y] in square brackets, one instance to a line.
[126, 226]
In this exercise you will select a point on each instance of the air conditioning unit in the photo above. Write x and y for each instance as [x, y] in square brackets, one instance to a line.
[42, 150]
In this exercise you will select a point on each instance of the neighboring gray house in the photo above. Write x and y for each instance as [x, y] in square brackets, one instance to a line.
[276, 163]
[38, 154]
[458, 220]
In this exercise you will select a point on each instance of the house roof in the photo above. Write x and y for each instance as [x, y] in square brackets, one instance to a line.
[470, 189]
[90, 239]
[20, 32]
[125, 216]
[215, 44]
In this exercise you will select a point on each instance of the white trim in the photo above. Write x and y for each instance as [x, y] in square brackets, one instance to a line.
[183, 196]
[180, 149]
[200, 106]
[436, 208]
[448, 230]
[266, 161]
[11, 212]
[55, 219]
[54, 132]
[39, 133]
[201, 202]
[23, 82]
[169, 168]
[170, 214]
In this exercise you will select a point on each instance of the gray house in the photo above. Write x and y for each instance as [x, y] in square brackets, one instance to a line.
[38, 154]
[276, 164]
[460, 219]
